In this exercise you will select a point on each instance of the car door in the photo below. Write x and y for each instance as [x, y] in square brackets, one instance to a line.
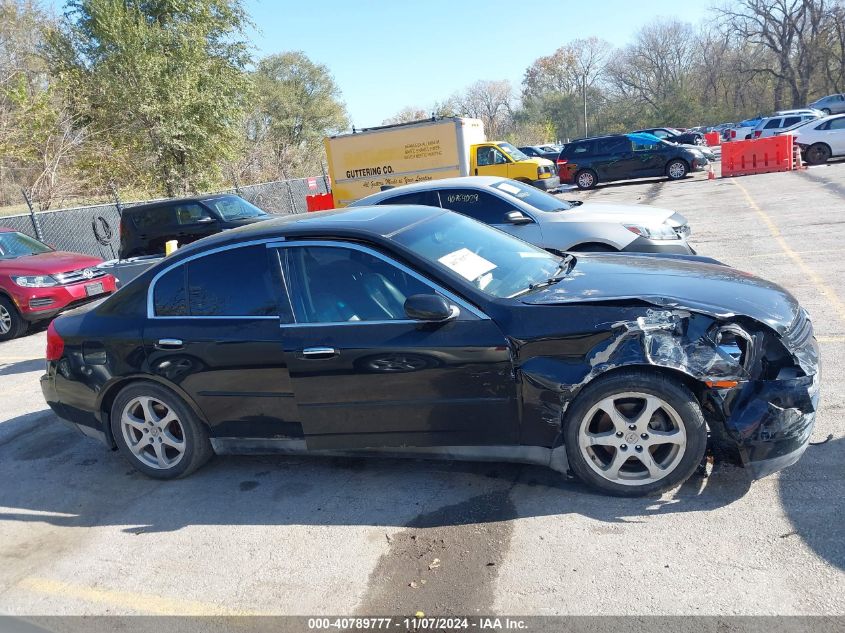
[491, 209]
[833, 135]
[364, 375]
[194, 222]
[649, 157]
[490, 161]
[213, 331]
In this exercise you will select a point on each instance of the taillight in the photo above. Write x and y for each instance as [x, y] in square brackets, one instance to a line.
[757, 133]
[561, 161]
[733, 133]
[55, 344]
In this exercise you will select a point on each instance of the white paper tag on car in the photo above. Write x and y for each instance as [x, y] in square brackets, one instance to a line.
[467, 264]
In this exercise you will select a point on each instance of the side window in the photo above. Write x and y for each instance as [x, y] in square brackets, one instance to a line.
[661, 133]
[478, 205]
[191, 214]
[642, 145]
[791, 120]
[427, 198]
[614, 146]
[774, 123]
[486, 156]
[839, 98]
[151, 218]
[169, 296]
[582, 149]
[332, 284]
[237, 282]
[836, 124]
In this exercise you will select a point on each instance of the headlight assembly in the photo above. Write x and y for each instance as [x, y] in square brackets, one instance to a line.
[660, 232]
[35, 281]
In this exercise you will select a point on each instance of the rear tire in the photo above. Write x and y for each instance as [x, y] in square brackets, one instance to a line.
[818, 154]
[12, 324]
[826, 111]
[635, 433]
[586, 179]
[676, 169]
[157, 432]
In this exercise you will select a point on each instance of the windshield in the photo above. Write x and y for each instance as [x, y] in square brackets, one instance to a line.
[493, 261]
[511, 151]
[533, 196]
[234, 208]
[13, 245]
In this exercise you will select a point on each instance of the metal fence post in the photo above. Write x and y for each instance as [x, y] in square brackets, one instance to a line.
[325, 177]
[290, 192]
[117, 203]
[36, 225]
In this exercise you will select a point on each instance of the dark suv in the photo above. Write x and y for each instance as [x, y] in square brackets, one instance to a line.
[144, 229]
[590, 161]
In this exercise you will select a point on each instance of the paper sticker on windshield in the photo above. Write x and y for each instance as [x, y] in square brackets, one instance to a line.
[467, 264]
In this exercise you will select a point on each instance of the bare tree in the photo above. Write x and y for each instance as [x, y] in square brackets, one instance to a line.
[490, 101]
[792, 31]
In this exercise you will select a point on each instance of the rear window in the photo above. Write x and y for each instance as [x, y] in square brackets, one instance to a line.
[236, 283]
[583, 148]
[150, 218]
[532, 196]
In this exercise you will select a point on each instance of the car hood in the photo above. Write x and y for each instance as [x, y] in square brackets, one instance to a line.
[621, 213]
[712, 289]
[48, 263]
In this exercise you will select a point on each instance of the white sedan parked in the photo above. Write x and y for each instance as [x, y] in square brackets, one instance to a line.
[822, 139]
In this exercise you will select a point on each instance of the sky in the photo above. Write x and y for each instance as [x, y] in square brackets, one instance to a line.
[388, 55]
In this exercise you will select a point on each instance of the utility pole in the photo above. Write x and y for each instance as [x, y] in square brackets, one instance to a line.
[585, 105]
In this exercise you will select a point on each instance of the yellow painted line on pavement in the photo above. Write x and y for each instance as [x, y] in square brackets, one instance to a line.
[826, 290]
[130, 601]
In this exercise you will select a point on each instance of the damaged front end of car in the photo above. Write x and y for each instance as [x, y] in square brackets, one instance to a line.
[758, 388]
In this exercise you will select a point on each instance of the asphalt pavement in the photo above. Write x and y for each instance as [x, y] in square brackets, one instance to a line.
[82, 533]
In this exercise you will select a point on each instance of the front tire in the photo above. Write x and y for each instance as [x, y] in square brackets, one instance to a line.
[676, 170]
[826, 111]
[818, 154]
[157, 432]
[12, 324]
[586, 179]
[635, 433]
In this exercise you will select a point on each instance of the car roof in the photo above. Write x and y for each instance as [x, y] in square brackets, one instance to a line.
[460, 181]
[374, 222]
[161, 203]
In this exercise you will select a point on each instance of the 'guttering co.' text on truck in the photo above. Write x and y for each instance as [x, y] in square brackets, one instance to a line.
[365, 161]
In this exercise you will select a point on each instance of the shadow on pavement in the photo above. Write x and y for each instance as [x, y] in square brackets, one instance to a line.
[53, 474]
[813, 495]
[22, 367]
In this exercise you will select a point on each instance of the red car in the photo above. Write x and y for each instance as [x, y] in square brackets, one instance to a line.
[37, 282]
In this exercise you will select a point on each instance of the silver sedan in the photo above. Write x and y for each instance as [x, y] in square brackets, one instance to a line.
[546, 221]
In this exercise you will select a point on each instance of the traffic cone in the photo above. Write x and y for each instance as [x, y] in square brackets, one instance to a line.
[710, 174]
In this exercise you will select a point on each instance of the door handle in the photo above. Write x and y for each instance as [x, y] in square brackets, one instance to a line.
[169, 343]
[317, 353]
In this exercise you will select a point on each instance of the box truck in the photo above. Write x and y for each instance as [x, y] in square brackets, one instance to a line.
[368, 160]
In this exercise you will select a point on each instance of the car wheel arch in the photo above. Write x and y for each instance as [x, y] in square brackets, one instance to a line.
[110, 393]
[688, 380]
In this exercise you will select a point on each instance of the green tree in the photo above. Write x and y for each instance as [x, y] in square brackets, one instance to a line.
[298, 103]
[163, 77]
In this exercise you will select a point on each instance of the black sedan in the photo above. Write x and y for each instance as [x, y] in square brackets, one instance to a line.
[416, 331]
[672, 135]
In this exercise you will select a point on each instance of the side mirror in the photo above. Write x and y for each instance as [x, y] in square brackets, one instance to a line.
[431, 308]
[517, 217]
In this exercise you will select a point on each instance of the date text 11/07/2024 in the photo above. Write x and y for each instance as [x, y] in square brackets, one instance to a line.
[417, 623]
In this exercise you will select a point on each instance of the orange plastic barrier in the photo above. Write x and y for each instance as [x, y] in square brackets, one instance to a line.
[319, 202]
[757, 156]
[713, 139]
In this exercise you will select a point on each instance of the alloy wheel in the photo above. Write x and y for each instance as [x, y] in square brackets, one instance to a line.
[585, 180]
[5, 320]
[153, 432]
[632, 438]
[677, 170]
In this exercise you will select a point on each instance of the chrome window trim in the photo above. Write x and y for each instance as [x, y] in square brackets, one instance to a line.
[151, 290]
[462, 303]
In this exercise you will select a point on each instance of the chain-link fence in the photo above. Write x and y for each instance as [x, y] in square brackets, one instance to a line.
[94, 230]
